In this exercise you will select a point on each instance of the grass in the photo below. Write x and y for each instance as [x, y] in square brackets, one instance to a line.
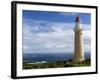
[57, 64]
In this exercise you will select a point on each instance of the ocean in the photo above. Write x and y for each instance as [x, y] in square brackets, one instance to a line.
[49, 57]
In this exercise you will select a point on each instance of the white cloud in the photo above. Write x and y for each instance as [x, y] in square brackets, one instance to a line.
[67, 14]
[62, 46]
[25, 47]
[58, 38]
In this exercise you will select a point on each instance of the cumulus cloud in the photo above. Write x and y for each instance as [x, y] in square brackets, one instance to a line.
[49, 37]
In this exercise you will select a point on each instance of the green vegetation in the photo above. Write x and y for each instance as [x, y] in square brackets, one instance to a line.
[56, 64]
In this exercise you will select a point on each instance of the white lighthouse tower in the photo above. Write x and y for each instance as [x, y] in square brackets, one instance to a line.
[78, 43]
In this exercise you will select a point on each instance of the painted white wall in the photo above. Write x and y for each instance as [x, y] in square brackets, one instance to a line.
[5, 40]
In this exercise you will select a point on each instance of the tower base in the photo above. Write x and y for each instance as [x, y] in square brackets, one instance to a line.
[78, 60]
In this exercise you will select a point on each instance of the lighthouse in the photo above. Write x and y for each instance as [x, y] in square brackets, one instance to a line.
[78, 42]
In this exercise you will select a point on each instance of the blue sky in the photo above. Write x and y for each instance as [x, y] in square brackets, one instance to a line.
[56, 16]
[53, 32]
